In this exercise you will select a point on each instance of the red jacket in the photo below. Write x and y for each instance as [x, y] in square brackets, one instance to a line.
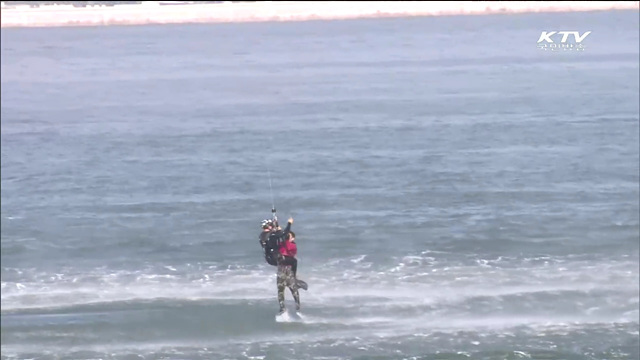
[289, 248]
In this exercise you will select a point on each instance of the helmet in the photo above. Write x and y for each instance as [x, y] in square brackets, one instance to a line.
[266, 222]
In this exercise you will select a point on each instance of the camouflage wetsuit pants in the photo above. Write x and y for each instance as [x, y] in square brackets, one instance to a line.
[286, 279]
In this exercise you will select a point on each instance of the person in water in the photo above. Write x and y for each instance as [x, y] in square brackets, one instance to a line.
[287, 279]
[288, 251]
[287, 268]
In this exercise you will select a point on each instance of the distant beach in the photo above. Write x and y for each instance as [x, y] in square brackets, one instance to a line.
[157, 13]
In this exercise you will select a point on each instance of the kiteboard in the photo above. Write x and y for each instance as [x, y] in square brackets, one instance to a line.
[289, 317]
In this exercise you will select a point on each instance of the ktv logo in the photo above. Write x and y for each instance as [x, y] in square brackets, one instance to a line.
[551, 41]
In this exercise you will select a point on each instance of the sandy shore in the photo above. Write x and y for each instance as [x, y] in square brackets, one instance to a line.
[153, 13]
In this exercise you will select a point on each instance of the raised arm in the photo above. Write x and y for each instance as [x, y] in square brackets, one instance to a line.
[288, 228]
[282, 234]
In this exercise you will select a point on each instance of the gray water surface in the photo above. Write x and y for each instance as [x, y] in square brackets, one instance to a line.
[457, 192]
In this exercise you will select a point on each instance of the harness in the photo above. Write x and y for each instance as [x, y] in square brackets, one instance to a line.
[271, 250]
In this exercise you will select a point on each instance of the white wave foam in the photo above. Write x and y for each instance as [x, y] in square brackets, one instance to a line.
[353, 294]
[61, 290]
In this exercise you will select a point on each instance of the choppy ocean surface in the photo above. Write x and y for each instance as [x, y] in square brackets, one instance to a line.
[457, 192]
